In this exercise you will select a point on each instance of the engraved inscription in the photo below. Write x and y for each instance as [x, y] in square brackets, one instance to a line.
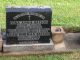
[25, 25]
[28, 30]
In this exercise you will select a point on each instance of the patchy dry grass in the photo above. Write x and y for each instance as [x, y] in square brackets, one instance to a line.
[64, 56]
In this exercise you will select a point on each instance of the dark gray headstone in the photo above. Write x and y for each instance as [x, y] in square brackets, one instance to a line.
[28, 25]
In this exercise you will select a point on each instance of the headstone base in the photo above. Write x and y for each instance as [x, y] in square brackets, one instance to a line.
[59, 46]
[28, 47]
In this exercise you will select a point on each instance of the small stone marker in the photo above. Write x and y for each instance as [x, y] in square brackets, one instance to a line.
[57, 34]
[27, 28]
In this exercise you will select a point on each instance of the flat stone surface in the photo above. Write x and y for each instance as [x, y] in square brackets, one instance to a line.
[71, 43]
[59, 46]
[72, 40]
[28, 47]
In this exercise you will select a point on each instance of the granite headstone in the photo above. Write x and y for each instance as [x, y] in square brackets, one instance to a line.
[26, 25]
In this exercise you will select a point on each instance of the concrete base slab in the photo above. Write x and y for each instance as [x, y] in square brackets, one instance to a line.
[72, 41]
[59, 46]
[28, 47]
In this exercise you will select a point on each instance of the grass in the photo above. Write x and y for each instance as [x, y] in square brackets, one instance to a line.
[67, 56]
[66, 13]
[46, 57]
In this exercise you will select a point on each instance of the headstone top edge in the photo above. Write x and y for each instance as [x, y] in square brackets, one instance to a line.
[28, 7]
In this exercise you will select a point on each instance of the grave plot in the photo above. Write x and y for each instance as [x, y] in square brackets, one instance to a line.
[28, 28]
[29, 31]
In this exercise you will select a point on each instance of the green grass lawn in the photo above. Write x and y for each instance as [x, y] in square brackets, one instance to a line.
[45, 57]
[67, 56]
[66, 13]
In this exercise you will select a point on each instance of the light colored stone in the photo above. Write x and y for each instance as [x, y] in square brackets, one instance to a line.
[59, 46]
[57, 36]
[28, 47]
